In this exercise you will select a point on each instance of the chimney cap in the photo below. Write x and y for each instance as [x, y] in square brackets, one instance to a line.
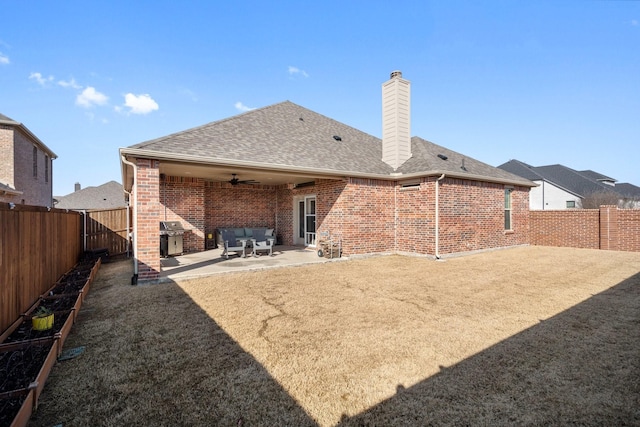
[396, 73]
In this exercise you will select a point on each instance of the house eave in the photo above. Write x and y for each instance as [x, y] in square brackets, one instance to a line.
[307, 171]
[30, 134]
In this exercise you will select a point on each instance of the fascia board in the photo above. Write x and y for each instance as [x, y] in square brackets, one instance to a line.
[133, 152]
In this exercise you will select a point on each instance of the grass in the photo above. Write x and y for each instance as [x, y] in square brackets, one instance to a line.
[525, 336]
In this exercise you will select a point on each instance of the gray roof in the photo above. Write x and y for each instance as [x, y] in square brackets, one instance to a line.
[6, 120]
[580, 183]
[288, 135]
[628, 190]
[572, 180]
[596, 176]
[105, 196]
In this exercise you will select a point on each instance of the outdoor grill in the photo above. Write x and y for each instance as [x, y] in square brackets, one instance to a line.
[171, 238]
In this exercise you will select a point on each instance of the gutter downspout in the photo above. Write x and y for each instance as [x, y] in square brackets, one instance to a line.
[438, 216]
[134, 279]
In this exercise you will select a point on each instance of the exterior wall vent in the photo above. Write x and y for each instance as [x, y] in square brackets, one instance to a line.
[396, 120]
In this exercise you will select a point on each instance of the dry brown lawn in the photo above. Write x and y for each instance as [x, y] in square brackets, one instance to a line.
[525, 336]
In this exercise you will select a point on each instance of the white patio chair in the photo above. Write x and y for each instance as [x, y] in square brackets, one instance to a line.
[261, 243]
[231, 244]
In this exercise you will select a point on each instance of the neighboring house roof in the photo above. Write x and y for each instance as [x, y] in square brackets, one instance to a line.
[286, 136]
[597, 176]
[571, 180]
[4, 120]
[628, 190]
[7, 189]
[521, 169]
[105, 196]
[579, 183]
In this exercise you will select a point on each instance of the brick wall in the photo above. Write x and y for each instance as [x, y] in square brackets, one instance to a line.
[607, 228]
[239, 206]
[6, 159]
[629, 226]
[566, 228]
[358, 212]
[472, 216]
[183, 200]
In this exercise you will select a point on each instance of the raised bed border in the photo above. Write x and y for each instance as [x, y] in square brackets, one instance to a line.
[34, 390]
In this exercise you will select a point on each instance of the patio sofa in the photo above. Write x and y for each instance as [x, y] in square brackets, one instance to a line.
[243, 233]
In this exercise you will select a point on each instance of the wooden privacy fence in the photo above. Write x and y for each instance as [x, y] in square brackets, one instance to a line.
[107, 229]
[37, 246]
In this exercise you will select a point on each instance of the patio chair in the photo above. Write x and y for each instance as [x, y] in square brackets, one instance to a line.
[233, 245]
[261, 242]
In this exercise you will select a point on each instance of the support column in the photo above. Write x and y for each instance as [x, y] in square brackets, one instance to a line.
[609, 228]
[148, 213]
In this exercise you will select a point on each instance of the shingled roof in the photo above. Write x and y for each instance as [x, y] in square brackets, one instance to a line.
[105, 196]
[286, 135]
[579, 183]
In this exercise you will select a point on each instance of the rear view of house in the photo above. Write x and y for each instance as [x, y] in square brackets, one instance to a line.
[310, 178]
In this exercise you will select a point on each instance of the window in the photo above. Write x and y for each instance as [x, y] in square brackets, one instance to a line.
[46, 168]
[571, 203]
[507, 208]
[35, 162]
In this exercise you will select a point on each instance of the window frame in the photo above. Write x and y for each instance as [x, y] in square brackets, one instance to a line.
[508, 209]
[35, 162]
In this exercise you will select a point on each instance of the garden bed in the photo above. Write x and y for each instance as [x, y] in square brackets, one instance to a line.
[28, 355]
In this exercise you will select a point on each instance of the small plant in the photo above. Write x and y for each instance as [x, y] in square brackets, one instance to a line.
[42, 311]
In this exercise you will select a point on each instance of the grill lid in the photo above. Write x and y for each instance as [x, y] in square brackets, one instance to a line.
[171, 227]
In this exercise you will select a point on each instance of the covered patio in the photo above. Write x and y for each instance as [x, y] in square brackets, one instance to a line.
[211, 262]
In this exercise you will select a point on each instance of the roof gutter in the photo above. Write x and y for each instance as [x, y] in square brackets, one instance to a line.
[321, 173]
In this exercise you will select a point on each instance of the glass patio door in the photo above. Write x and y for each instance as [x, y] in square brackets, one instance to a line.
[306, 232]
[310, 221]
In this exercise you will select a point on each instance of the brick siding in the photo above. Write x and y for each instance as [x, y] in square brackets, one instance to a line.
[367, 216]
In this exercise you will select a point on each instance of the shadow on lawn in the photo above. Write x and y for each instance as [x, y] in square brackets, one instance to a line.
[580, 367]
[141, 368]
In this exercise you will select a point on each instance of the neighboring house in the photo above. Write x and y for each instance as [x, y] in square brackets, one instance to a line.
[630, 195]
[312, 179]
[560, 187]
[26, 166]
[105, 196]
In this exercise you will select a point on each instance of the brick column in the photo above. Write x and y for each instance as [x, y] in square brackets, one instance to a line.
[148, 216]
[609, 228]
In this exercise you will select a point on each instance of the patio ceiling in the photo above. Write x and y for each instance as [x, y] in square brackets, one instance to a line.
[221, 173]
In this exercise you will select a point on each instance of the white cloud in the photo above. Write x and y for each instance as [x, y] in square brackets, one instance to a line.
[4, 59]
[241, 107]
[42, 81]
[297, 71]
[91, 97]
[139, 104]
[71, 83]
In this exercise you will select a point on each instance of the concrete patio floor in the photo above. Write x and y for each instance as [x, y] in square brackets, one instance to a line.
[212, 262]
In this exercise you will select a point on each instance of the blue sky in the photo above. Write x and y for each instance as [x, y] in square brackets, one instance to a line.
[543, 82]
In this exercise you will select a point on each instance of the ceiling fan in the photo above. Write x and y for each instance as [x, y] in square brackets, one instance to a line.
[236, 181]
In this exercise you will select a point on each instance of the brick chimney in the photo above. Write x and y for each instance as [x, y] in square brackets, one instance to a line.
[77, 187]
[396, 120]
